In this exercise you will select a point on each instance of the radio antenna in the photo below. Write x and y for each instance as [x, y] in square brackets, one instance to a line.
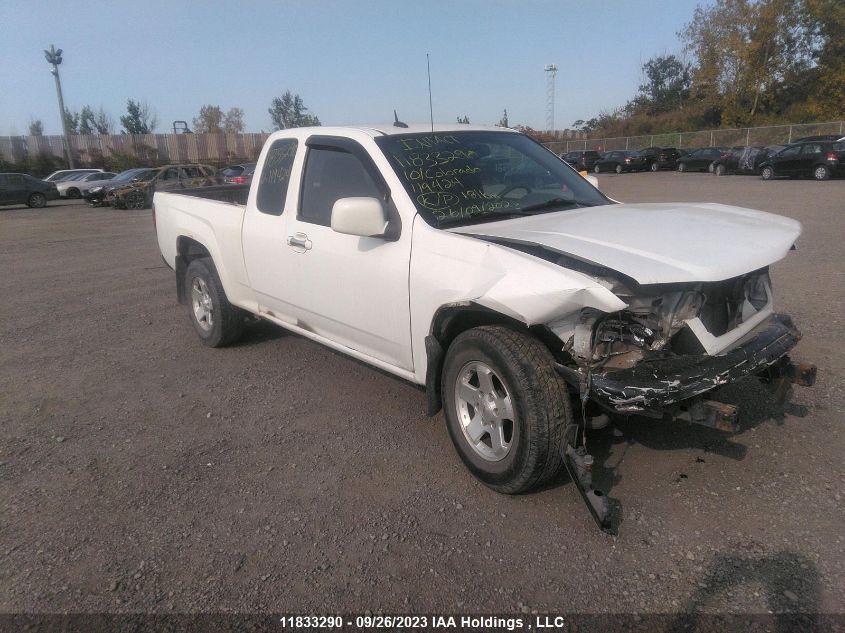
[430, 108]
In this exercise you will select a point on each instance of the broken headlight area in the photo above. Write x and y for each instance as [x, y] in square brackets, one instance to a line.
[674, 344]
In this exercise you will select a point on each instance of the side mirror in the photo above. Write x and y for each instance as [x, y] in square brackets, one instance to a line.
[359, 216]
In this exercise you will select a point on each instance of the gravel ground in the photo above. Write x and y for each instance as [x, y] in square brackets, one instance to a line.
[143, 472]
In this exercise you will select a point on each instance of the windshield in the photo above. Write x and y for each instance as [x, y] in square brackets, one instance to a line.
[467, 177]
[129, 174]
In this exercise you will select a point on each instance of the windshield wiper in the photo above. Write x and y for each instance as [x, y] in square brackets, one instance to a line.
[546, 204]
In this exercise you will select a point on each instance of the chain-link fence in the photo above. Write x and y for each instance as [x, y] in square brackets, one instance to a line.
[770, 135]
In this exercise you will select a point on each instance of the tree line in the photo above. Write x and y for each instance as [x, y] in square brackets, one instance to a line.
[744, 63]
[287, 111]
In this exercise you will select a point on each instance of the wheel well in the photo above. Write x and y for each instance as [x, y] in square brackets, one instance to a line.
[450, 321]
[187, 250]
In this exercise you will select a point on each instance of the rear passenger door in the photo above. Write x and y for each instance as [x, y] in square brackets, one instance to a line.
[811, 154]
[15, 190]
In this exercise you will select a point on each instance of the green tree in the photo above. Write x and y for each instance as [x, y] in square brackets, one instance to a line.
[503, 122]
[289, 111]
[72, 121]
[139, 118]
[36, 128]
[209, 120]
[103, 122]
[86, 120]
[668, 83]
[824, 21]
[233, 121]
[463, 120]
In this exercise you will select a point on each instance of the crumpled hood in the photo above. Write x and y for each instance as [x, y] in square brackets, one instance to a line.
[657, 243]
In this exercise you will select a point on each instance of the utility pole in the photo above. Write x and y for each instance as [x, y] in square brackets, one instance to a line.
[54, 57]
[551, 73]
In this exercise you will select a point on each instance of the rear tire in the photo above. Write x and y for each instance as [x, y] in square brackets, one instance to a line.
[217, 322]
[523, 398]
[654, 167]
[596, 169]
[719, 170]
[820, 172]
[767, 173]
[682, 167]
[36, 200]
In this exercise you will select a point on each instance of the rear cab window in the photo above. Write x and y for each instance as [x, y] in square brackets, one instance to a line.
[275, 176]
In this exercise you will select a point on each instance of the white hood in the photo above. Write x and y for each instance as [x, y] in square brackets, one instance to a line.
[657, 243]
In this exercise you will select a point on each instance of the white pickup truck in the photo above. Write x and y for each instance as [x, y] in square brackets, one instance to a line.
[474, 262]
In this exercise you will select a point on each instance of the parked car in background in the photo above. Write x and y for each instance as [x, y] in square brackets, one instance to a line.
[24, 189]
[701, 159]
[62, 174]
[659, 158]
[582, 160]
[743, 159]
[95, 192]
[238, 174]
[72, 187]
[139, 195]
[621, 160]
[818, 159]
[820, 137]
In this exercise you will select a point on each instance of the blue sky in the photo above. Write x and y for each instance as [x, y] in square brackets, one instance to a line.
[352, 62]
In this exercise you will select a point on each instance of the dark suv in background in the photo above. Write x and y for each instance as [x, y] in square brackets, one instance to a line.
[659, 158]
[24, 189]
[819, 159]
[701, 159]
[582, 160]
[621, 160]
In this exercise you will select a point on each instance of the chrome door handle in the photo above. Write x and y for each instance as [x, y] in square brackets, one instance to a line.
[299, 241]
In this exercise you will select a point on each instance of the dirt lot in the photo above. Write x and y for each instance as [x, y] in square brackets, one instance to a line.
[142, 472]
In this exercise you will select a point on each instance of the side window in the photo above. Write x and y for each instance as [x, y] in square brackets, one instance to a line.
[190, 172]
[812, 148]
[171, 173]
[329, 176]
[791, 151]
[275, 176]
[15, 180]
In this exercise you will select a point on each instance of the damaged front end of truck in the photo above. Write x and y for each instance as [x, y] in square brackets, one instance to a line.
[665, 354]
[674, 344]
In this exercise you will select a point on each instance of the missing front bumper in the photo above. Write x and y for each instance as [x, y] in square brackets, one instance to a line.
[658, 387]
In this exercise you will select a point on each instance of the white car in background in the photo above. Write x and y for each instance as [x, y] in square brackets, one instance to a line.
[72, 187]
[64, 174]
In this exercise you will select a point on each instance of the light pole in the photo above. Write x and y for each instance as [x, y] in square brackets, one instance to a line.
[54, 57]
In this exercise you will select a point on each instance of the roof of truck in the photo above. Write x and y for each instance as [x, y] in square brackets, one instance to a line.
[413, 128]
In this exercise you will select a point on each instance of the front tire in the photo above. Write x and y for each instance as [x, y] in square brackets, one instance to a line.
[73, 192]
[619, 169]
[596, 169]
[767, 173]
[36, 201]
[719, 170]
[135, 200]
[506, 407]
[216, 321]
[654, 167]
[682, 167]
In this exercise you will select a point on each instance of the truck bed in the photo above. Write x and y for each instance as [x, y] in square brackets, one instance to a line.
[233, 194]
